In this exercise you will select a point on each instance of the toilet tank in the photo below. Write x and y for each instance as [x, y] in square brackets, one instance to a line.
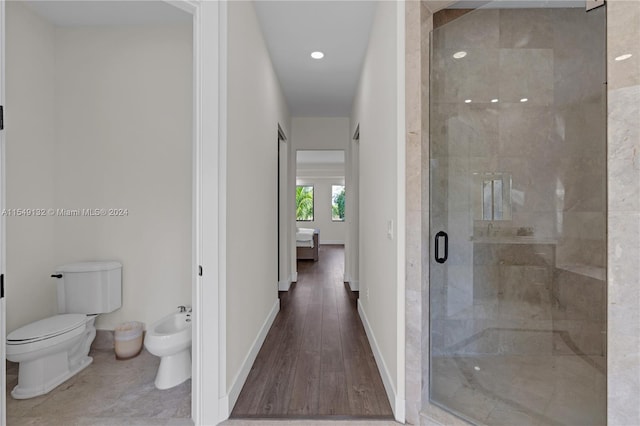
[89, 287]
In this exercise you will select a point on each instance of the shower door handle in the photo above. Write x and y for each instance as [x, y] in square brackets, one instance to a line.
[439, 236]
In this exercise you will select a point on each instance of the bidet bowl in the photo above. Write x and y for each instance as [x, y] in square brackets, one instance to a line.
[170, 339]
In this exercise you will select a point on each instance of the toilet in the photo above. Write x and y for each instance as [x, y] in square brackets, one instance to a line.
[170, 339]
[52, 350]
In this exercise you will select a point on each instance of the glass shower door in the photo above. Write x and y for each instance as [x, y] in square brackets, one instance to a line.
[518, 214]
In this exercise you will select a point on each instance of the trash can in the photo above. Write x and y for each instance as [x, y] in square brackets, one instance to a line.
[128, 339]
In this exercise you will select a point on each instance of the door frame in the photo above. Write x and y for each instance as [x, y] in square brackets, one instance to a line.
[284, 277]
[3, 308]
[352, 183]
[208, 72]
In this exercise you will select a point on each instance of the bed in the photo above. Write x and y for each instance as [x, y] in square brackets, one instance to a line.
[307, 242]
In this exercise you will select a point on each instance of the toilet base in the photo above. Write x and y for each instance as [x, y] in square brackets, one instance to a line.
[30, 382]
[174, 369]
[41, 371]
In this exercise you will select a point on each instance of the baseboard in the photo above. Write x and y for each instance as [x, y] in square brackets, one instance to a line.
[354, 285]
[283, 285]
[396, 403]
[294, 277]
[224, 410]
[241, 377]
[400, 410]
[332, 242]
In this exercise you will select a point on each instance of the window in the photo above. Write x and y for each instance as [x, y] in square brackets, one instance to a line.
[304, 203]
[337, 203]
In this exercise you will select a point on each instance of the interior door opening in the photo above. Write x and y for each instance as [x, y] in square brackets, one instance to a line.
[104, 114]
[283, 278]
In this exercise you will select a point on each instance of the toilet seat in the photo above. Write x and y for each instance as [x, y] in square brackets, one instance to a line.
[48, 328]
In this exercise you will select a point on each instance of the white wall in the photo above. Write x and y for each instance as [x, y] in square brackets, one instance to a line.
[317, 133]
[376, 111]
[123, 140]
[331, 232]
[108, 127]
[30, 47]
[255, 106]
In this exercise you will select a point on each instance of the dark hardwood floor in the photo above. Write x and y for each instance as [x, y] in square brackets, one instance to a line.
[316, 360]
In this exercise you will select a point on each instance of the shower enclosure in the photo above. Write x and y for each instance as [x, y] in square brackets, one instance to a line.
[518, 213]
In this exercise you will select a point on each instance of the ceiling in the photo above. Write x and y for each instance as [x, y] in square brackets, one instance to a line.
[108, 12]
[294, 29]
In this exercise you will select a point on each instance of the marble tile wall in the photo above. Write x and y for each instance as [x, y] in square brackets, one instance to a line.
[579, 312]
[413, 249]
[426, 26]
[623, 224]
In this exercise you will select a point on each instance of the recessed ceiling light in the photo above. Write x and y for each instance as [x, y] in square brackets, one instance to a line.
[524, 100]
[459, 55]
[493, 101]
[623, 57]
[317, 55]
[467, 101]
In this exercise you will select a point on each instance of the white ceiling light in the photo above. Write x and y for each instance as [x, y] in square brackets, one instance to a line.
[623, 57]
[493, 101]
[317, 55]
[467, 101]
[524, 100]
[459, 55]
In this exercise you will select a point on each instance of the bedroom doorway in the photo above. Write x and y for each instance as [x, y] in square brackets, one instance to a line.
[320, 200]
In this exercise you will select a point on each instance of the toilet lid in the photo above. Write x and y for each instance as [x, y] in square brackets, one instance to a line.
[45, 328]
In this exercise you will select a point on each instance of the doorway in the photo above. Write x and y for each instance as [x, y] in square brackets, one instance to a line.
[194, 136]
[283, 279]
[320, 202]
[353, 218]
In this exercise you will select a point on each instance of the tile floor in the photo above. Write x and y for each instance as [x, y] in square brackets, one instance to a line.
[108, 392]
[522, 390]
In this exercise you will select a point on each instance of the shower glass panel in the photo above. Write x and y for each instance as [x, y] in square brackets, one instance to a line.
[518, 184]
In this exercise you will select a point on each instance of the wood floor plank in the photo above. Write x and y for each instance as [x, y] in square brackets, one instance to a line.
[253, 388]
[312, 336]
[331, 341]
[279, 386]
[305, 394]
[360, 389]
[316, 360]
[333, 394]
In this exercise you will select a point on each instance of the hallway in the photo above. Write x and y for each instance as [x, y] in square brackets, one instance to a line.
[316, 360]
